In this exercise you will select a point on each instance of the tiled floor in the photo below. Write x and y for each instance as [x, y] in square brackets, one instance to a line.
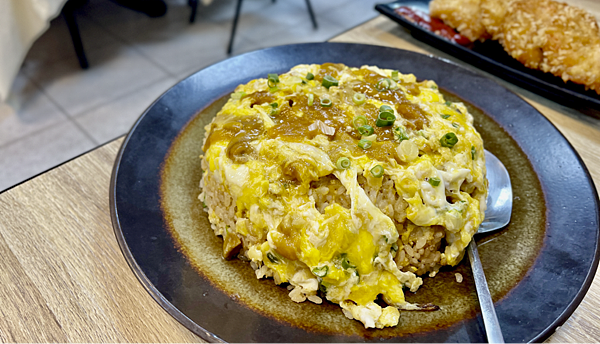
[57, 111]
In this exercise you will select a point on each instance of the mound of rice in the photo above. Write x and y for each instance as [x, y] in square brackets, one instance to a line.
[345, 184]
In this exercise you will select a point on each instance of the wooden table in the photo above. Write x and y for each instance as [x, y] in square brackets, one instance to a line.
[63, 277]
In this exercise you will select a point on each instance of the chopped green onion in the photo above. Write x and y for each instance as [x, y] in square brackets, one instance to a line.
[272, 80]
[386, 108]
[359, 98]
[434, 181]
[383, 84]
[359, 121]
[434, 87]
[274, 109]
[272, 258]
[345, 262]
[385, 119]
[365, 144]
[395, 75]
[321, 272]
[400, 134]
[311, 99]
[377, 172]
[343, 163]
[238, 95]
[366, 130]
[473, 152]
[449, 140]
[445, 116]
[456, 125]
[310, 76]
[322, 288]
[326, 102]
[329, 81]
[448, 103]
[304, 82]
[394, 247]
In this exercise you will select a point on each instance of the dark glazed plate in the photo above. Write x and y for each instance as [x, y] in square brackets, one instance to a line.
[491, 57]
[539, 267]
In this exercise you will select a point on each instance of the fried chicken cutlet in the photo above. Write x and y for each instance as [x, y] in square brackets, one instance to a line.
[554, 37]
[463, 15]
[542, 34]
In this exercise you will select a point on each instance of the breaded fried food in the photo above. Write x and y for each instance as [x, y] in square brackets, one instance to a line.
[554, 37]
[541, 34]
[492, 16]
[463, 15]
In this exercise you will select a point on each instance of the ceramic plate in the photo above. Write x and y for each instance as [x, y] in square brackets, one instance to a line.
[539, 267]
[491, 57]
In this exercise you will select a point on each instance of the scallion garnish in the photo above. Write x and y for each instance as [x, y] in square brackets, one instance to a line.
[383, 84]
[434, 181]
[272, 258]
[473, 152]
[326, 102]
[274, 109]
[386, 108]
[400, 134]
[329, 81]
[449, 140]
[359, 98]
[385, 119]
[365, 144]
[238, 95]
[445, 116]
[345, 262]
[366, 130]
[321, 272]
[311, 99]
[377, 172]
[359, 121]
[343, 163]
[395, 75]
[448, 103]
[310, 76]
[456, 125]
[272, 80]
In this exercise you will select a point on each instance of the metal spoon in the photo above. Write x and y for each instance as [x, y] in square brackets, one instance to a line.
[497, 215]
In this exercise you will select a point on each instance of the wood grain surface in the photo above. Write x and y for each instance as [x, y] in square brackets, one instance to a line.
[64, 279]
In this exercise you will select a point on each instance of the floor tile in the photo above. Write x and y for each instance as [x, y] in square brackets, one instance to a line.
[113, 72]
[29, 156]
[353, 13]
[302, 32]
[26, 111]
[117, 117]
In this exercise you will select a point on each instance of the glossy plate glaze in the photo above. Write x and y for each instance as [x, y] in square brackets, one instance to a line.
[491, 57]
[539, 267]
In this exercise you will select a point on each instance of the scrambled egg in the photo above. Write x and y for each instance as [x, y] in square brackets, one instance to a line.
[278, 140]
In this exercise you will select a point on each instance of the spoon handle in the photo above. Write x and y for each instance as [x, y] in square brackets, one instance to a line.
[490, 320]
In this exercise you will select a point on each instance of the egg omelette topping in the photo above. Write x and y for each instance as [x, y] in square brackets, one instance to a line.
[344, 183]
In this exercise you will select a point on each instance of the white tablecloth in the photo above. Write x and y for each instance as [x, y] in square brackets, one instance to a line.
[21, 23]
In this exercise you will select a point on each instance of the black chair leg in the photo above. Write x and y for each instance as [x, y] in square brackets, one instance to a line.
[69, 16]
[312, 15]
[235, 21]
[194, 5]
